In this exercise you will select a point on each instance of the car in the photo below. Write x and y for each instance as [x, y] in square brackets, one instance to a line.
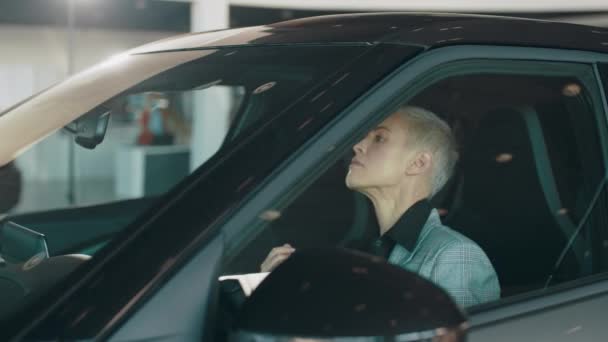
[275, 111]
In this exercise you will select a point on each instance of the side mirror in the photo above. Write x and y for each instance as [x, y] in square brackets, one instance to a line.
[90, 129]
[340, 295]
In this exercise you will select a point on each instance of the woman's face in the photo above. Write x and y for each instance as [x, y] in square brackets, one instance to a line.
[381, 158]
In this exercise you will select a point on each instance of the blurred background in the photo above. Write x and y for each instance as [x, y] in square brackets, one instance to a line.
[45, 41]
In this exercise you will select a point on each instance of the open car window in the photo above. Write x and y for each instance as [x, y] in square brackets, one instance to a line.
[528, 188]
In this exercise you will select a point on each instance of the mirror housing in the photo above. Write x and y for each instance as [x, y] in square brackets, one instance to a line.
[339, 295]
[90, 129]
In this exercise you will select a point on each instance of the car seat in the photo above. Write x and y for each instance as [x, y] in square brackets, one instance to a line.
[509, 203]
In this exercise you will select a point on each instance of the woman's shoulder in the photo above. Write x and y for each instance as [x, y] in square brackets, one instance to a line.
[443, 236]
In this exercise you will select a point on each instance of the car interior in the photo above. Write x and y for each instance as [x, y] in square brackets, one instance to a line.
[520, 189]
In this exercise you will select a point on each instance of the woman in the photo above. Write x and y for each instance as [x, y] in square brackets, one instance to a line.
[399, 165]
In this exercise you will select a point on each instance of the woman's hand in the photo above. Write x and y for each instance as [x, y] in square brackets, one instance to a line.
[276, 256]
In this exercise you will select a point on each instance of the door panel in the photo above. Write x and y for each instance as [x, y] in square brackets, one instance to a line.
[581, 321]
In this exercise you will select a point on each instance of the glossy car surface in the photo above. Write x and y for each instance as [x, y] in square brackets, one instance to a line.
[528, 98]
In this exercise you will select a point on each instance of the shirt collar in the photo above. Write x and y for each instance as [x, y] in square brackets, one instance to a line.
[405, 231]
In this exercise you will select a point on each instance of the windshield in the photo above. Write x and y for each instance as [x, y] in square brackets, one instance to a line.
[168, 114]
[163, 116]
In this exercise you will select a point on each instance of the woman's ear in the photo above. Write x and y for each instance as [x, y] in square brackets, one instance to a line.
[421, 163]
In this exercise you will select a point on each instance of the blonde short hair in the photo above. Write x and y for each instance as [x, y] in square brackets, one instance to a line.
[427, 131]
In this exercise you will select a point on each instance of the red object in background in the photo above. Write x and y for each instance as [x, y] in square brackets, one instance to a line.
[145, 137]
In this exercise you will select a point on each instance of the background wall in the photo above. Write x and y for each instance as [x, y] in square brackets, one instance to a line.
[34, 58]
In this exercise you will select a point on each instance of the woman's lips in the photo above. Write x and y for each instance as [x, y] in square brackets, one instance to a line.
[356, 163]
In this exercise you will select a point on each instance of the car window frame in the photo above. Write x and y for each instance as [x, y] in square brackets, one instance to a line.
[355, 121]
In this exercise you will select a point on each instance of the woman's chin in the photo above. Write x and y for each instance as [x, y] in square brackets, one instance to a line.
[352, 182]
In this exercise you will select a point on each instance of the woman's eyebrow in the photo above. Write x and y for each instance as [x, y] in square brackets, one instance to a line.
[382, 127]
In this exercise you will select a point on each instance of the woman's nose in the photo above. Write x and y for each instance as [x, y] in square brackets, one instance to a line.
[359, 147]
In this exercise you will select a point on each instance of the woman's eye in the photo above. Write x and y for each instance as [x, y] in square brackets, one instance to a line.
[379, 138]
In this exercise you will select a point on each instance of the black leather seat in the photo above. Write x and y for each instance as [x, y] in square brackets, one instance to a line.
[504, 207]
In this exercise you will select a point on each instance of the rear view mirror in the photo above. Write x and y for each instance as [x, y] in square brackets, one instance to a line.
[90, 129]
[341, 295]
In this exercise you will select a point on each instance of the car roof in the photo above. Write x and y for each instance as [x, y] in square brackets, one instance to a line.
[420, 29]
